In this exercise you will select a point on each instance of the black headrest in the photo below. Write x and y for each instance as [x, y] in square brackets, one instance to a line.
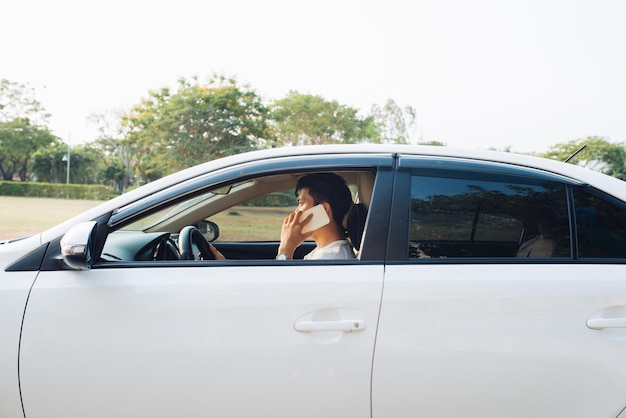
[355, 223]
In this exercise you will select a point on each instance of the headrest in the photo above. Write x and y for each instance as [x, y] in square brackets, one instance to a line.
[355, 223]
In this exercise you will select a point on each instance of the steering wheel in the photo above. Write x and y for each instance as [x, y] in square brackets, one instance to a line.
[189, 236]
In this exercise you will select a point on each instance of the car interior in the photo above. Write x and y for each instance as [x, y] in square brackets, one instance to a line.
[182, 229]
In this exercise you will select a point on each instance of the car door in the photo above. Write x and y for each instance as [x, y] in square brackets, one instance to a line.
[204, 338]
[222, 340]
[467, 328]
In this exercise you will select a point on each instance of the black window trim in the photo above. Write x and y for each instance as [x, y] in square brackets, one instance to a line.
[398, 236]
[245, 171]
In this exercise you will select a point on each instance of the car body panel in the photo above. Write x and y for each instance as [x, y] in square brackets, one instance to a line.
[492, 341]
[199, 341]
[14, 290]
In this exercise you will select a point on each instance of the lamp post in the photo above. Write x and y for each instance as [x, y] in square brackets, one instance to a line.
[66, 158]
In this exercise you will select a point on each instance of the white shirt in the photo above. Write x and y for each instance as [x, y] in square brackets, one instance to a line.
[337, 250]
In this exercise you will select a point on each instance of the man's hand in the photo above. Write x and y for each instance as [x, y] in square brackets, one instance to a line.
[291, 235]
[218, 255]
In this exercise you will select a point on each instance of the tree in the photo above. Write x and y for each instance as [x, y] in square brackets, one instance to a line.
[303, 119]
[22, 129]
[394, 122]
[598, 154]
[50, 164]
[432, 143]
[17, 101]
[18, 141]
[198, 122]
[117, 150]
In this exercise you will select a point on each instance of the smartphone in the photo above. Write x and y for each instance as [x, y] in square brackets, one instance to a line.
[320, 218]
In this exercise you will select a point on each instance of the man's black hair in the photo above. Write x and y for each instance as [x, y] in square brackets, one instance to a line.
[330, 188]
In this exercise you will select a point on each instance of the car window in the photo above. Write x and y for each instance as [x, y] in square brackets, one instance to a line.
[242, 220]
[458, 217]
[601, 227]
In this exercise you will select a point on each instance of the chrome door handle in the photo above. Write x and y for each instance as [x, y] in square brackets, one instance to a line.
[345, 325]
[602, 323]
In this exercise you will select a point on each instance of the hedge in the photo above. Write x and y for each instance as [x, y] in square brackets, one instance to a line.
[56, 190]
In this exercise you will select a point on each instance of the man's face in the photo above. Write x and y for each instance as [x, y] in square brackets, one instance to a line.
[305, 201]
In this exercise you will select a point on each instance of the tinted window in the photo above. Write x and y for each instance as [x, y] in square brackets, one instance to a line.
[601, 227]
[453, 217]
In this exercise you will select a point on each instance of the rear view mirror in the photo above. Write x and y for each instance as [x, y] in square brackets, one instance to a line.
[209, 230]
[76, 245]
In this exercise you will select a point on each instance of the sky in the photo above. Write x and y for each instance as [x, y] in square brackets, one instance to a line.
[523, 75]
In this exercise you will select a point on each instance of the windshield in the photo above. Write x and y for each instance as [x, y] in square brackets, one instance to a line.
[168, 212]
[172, 211]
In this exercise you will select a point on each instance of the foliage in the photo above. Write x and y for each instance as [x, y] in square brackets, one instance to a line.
[71, 191]
[598, 154]
[432, 143]
[51, 164]
[198, 122]
[22, 129]
[118, 153]
[17, 101]
[395, 123]
[285, 198]
[18, 141]
[303, 119]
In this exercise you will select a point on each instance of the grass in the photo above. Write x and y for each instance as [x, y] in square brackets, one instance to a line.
[24, 216]
[250, 223]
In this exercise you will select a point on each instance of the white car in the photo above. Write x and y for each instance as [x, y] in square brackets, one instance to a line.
[485, 285]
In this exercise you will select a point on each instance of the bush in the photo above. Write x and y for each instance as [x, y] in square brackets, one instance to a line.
[56, 190]
[284, 198]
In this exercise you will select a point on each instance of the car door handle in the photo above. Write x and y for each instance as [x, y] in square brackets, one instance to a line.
[602, 323]
[345, 325]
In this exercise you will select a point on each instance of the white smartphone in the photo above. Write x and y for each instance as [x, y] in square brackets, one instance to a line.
[318, 220]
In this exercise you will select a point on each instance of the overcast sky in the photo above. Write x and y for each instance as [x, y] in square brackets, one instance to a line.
[484, 73]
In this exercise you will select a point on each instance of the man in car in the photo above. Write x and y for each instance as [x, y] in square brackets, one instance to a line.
[330, 191]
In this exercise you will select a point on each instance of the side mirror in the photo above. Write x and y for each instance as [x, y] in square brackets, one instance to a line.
[209, 230]
[76, 245]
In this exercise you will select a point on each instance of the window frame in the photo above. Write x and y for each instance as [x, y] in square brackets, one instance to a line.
[451, 167]
[378, 216]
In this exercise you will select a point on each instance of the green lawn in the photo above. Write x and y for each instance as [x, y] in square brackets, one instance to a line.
[23, 216]
[249, 223]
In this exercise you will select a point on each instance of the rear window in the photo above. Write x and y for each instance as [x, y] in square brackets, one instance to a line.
[453, 217]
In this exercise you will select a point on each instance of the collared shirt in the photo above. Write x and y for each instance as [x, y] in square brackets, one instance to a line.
[337, 250]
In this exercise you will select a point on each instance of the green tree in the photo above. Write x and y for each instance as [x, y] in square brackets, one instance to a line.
[394, 122]
[432, 143]
[598, 154]
[117, 151]
[17, 101]
[304, 119]
[22, 129]
[50, 164]
[18, 141]
[114, 175]
[198, 122]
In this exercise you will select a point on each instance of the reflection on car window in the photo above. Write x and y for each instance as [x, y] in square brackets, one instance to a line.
[166, 213]
[476, 218]
[601, 227]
